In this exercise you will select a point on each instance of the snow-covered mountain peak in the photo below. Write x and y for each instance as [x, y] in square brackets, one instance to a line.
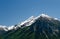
[27, 22]
[44, 15]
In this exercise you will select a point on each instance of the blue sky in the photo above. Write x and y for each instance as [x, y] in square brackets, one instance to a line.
[14, 11]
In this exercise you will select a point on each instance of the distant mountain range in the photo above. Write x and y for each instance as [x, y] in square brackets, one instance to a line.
[40, 27]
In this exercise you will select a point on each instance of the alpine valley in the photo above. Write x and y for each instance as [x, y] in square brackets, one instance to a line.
[40, 27]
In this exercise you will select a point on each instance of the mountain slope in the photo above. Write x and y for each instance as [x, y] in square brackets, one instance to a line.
[41, 27]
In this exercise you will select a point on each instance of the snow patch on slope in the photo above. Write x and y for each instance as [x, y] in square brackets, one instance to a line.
[11, 27]
[3, 27]
[28, 22]
[56, 18]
